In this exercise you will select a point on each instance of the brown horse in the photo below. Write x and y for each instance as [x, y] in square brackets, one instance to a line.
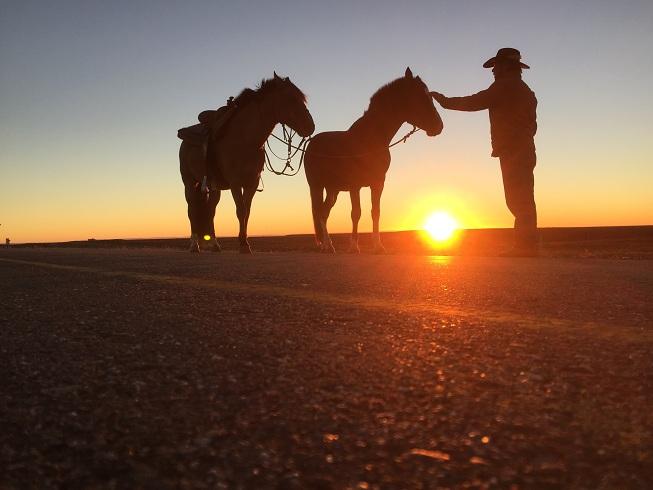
[235, 155]
[360, 157]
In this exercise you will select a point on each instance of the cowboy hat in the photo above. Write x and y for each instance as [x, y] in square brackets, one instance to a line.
[505, 54]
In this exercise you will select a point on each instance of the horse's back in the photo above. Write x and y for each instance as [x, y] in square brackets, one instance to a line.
[329, 144]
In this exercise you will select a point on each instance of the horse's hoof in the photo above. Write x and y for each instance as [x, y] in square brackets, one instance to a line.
[328, 249]
[380, 250]
[215, 247]
[245, 249]
[194, 246]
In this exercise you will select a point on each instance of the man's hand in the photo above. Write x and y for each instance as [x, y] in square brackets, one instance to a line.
[438, 96]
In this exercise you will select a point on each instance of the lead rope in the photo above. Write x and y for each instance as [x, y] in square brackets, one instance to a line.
[405, 137]
[302, 146]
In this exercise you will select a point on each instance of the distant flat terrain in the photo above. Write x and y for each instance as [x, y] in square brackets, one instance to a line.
[619, 242]
[155, 368]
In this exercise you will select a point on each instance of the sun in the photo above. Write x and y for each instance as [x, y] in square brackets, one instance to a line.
[441, 226]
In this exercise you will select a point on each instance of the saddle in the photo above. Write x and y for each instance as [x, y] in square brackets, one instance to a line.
[211, 121]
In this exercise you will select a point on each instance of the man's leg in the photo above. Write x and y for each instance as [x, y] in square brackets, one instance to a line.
[518, 185]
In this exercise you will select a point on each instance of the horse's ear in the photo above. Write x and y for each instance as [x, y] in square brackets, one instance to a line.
[276, 77]
[409, 74]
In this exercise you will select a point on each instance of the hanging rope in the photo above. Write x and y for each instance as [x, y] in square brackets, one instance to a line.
[287, 140]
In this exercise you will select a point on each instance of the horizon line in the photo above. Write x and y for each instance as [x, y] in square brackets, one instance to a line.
[419, 230]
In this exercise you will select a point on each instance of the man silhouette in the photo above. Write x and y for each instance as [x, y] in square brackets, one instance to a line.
[513, 123]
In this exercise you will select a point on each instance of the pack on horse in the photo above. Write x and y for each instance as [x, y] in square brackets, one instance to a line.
[360, 157]
[234, 156]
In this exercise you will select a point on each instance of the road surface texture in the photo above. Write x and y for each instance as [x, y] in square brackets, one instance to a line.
[155, 368]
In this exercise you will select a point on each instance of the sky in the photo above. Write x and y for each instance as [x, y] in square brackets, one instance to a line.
[93, 92]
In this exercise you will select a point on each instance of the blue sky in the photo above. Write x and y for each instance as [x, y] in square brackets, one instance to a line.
[92, 94]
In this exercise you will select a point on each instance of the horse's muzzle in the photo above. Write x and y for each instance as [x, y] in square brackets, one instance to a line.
[435, 131]
[308, 130]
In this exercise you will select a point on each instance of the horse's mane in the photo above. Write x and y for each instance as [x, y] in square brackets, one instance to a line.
[266, 86]
[388, 93]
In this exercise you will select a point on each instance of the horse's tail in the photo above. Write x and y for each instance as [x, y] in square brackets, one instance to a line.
[184, 155]
[192, 162]
[317, 203]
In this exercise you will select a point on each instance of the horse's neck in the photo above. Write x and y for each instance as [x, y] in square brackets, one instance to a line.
[378, 125]
[253, 124]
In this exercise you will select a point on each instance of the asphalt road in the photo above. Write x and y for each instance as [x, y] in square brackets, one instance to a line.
[160, 369]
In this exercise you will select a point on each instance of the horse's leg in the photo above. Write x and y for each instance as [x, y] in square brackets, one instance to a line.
[248, 195]
[187, 156]
[329, 202]
[202, 219]
[317, 203]
[214, 199]
[376, 189]
[241, 212]
[191, 199]
[355, 196]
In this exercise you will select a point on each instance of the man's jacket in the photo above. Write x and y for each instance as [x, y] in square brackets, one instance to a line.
[512, 105]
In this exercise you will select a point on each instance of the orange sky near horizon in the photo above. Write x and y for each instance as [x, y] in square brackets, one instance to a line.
[91, 108]
[112, 210]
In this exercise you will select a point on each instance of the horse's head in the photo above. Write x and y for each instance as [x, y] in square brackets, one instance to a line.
[290, 107]
[419, 108]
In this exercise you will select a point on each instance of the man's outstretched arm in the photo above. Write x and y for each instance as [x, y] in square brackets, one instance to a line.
[477, 102]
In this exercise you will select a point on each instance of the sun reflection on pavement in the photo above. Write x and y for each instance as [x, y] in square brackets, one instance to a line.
[441, 260]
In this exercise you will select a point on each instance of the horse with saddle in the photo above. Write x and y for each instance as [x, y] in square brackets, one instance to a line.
[226, 151]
